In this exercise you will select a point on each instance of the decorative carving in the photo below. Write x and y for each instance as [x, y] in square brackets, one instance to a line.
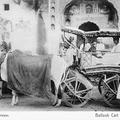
[104, 9]
[53, 10]
[52, 26]
[89, 8]
[74, 10]
[53, 19]
[67, 22]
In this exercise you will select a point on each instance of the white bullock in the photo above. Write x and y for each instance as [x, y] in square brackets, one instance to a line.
[58, 66]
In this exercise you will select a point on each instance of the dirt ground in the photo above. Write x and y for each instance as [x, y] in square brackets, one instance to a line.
[36, 104]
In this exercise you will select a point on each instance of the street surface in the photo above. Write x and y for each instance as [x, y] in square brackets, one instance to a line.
[38, 104]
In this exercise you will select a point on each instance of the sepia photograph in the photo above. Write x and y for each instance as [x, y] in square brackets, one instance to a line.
[60, 56]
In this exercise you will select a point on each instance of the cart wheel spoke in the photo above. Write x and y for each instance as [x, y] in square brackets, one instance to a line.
[110, 98]
[83, 92]
[76, 82]
[109, 88]
[72, 85]
[78, 86]
[115, 85]
[70, 80]
[81, 100]
[74, 99]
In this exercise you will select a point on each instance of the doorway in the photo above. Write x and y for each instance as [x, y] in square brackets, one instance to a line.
[87, 26]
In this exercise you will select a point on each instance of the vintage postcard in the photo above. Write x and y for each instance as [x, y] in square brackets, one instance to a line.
[60, 59]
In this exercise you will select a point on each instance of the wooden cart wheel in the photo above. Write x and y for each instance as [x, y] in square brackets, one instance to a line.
[76, 88]
[109, 87]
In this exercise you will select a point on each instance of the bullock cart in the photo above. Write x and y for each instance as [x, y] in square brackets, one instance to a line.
[92, 72]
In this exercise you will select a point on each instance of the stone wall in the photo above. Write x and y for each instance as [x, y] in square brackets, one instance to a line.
[24, 22]
[30, 20]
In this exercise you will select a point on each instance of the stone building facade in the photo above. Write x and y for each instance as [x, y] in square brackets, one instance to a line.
[103, 13]
[88, 15]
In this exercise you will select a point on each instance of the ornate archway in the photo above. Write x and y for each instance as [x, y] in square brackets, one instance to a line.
[112, 5]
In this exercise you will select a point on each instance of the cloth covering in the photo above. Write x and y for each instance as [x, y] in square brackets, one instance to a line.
[29, 74]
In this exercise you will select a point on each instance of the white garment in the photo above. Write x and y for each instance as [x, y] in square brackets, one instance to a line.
[58, 67]
[69, 56]
[100, 47]
[87, 47]
[107, 59]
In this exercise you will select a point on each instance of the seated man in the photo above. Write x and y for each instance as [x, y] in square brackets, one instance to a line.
[113, 57]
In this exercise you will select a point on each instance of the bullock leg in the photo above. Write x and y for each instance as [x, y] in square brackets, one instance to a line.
[54, 102]
[53, 91]
[14, 98]
[56, 93]
[59, 97]
[1, 89]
